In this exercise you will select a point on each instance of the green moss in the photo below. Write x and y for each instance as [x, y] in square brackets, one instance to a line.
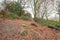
[23, 32]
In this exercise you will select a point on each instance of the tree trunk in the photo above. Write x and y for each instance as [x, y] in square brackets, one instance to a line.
[59, 18]
[34, 9]
[45, 5]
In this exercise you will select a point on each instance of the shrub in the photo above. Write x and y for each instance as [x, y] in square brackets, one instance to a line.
[12, 15]
[26, 17]
[2, 14]
[15, 7]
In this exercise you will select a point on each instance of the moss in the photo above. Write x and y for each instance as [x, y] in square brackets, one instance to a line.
[23, 32]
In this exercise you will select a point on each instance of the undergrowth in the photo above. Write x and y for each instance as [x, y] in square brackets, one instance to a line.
[49, 23]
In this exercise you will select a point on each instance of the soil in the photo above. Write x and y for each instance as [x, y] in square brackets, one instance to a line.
[10, 30]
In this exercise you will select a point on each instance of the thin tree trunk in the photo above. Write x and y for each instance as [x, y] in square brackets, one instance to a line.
[34, 9]
[45, 5]
[59, 18]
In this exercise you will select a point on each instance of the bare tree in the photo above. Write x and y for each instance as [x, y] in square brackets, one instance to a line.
[59, 9]
[45, 9]
[37, 4]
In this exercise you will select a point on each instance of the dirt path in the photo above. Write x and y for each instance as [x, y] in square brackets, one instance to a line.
[10, 30]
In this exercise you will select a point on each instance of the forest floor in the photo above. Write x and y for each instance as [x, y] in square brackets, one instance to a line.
[10, 30]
